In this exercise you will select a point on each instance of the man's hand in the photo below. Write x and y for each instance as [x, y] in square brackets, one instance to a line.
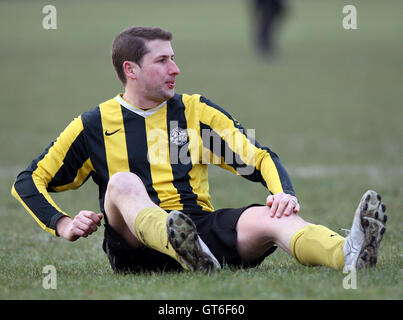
[83, 224]
[282, 204]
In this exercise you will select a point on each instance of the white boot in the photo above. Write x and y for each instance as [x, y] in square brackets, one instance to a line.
[362, 243]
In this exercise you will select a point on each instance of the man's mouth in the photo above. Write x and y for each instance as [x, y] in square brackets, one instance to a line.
[170, 84]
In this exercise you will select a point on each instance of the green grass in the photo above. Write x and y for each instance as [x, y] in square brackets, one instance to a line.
[329, 105]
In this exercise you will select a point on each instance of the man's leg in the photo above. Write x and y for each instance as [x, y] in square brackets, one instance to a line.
[310, 244]
[313, 244]
[132, 214]
[125, 197]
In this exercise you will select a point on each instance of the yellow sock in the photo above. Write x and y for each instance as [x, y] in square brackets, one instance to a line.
[318, 245]
[151, 230]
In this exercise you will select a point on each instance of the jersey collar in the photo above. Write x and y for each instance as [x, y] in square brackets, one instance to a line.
[140, 112]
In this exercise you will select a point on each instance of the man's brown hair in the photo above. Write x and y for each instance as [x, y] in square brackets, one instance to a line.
[130, 45]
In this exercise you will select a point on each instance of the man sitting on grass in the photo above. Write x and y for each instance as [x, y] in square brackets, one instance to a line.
[148, 150]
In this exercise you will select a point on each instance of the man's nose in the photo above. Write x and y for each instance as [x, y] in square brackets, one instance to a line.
[174, 70]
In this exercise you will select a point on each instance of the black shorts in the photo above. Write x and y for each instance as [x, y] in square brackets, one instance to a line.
[217, 229]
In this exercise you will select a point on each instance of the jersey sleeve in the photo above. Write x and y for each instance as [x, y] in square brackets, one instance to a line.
[236, 150]
[63, 165]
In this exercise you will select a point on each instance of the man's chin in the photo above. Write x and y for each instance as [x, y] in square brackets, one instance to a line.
[169, 94]
[163, 96]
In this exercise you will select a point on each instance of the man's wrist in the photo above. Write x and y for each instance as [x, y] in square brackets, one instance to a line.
[62, 226]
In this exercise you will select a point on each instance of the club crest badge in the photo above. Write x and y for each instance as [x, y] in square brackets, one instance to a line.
[178, 136]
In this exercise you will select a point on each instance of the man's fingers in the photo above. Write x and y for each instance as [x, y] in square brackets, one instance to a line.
[281, 207]
[273, 208]
[293, 206]
[93, 216]
[290, 207]
[87, 223]
[85, 220]
[296, 208]
[87, 228]
[76, 231]
[282, 204]
[269, 200]
[84, 224]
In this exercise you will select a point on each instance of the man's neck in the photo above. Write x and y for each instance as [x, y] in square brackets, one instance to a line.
[136, 101]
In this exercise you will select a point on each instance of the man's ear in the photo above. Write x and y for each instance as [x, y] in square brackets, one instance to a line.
[130, 68]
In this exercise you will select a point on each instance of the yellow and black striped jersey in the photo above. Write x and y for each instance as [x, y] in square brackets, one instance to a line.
[169, 147]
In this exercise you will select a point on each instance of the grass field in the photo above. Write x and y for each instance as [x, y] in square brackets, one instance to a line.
[330, 105]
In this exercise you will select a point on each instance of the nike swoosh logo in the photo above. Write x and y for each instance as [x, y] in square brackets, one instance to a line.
[111, 133]
[332, 235]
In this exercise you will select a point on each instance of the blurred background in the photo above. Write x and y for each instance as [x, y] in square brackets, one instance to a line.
[327, 100]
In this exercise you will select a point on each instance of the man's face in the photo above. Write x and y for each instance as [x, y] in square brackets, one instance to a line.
[156, 76]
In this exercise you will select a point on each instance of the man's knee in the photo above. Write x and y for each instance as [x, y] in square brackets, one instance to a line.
[257, 222]
[123, 183]
[253, 223]
[253, 231]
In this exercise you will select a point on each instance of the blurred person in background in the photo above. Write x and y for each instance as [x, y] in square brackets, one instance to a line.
[267, 16]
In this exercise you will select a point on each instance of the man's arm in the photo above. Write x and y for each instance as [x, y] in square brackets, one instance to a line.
[239, 152]
[243, 155]
[64, 165]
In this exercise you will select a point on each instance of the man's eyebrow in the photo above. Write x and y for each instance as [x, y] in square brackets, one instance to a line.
[165, 56]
